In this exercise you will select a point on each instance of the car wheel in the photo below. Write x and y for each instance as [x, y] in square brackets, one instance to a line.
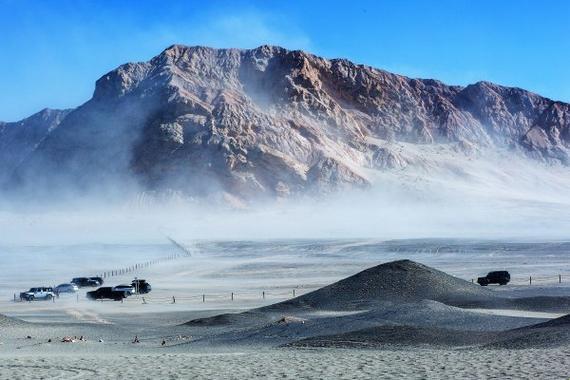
[49, 297]
[30, 298]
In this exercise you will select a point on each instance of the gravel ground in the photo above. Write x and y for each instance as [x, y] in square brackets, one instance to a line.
[298, 364]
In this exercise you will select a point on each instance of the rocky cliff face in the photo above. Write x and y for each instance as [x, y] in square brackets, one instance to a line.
[270, 122]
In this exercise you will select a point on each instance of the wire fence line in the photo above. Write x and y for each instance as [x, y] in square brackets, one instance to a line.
[181, 296]
[178, 297]
[182, 252]
[226, 297]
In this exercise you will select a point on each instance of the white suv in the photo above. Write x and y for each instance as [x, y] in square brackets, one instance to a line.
[40, 293]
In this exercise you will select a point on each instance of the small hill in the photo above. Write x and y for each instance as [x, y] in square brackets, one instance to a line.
[397, 281]
[396, 303]
[549, 334]
[246, 318]
[381, 287]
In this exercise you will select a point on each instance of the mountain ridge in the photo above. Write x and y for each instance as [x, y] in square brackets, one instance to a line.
[271, 122]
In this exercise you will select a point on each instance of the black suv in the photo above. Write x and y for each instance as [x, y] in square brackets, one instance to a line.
[84, 282]
[98, 279]
[141, 286]
[106, 293]
[499, 277]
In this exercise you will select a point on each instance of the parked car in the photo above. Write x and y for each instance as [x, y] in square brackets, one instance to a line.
[141, 286]
[66, 288]
[39, 293]
[498, 277]
[129, 290]
[98, 279]
[106, 293]
[84, 282]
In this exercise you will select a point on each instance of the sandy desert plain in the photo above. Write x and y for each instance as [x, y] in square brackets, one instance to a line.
[395, 309]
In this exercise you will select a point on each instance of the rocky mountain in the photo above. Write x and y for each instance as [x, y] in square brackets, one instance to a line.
[18, 140]
[269, 122]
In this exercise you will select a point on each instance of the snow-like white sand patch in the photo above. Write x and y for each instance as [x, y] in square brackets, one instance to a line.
[518, 313]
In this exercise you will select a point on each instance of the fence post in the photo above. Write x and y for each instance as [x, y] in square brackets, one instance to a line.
[293, 293]
[14, 297]
[203, 298]
[560, 279]
[530, 280]
[263, 294]
[173, 299]
[232, 296]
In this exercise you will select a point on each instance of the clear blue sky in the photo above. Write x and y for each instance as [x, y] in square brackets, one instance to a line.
[53, 51]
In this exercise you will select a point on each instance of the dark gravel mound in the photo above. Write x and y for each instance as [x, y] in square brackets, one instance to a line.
[244, 319]
[394, 304]
[398, 281]
[285, 329]
[390, 336]
[549, 334]
[563, 321]
[552, 304]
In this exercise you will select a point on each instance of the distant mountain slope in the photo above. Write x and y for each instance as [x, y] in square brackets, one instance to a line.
[19, 139]
[269, 122]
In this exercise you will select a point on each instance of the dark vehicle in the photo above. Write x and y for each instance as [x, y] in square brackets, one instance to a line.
[106, 293]
[499, 277]
[85, 282]
[127, 289]
[98, 279]
[141, 286]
